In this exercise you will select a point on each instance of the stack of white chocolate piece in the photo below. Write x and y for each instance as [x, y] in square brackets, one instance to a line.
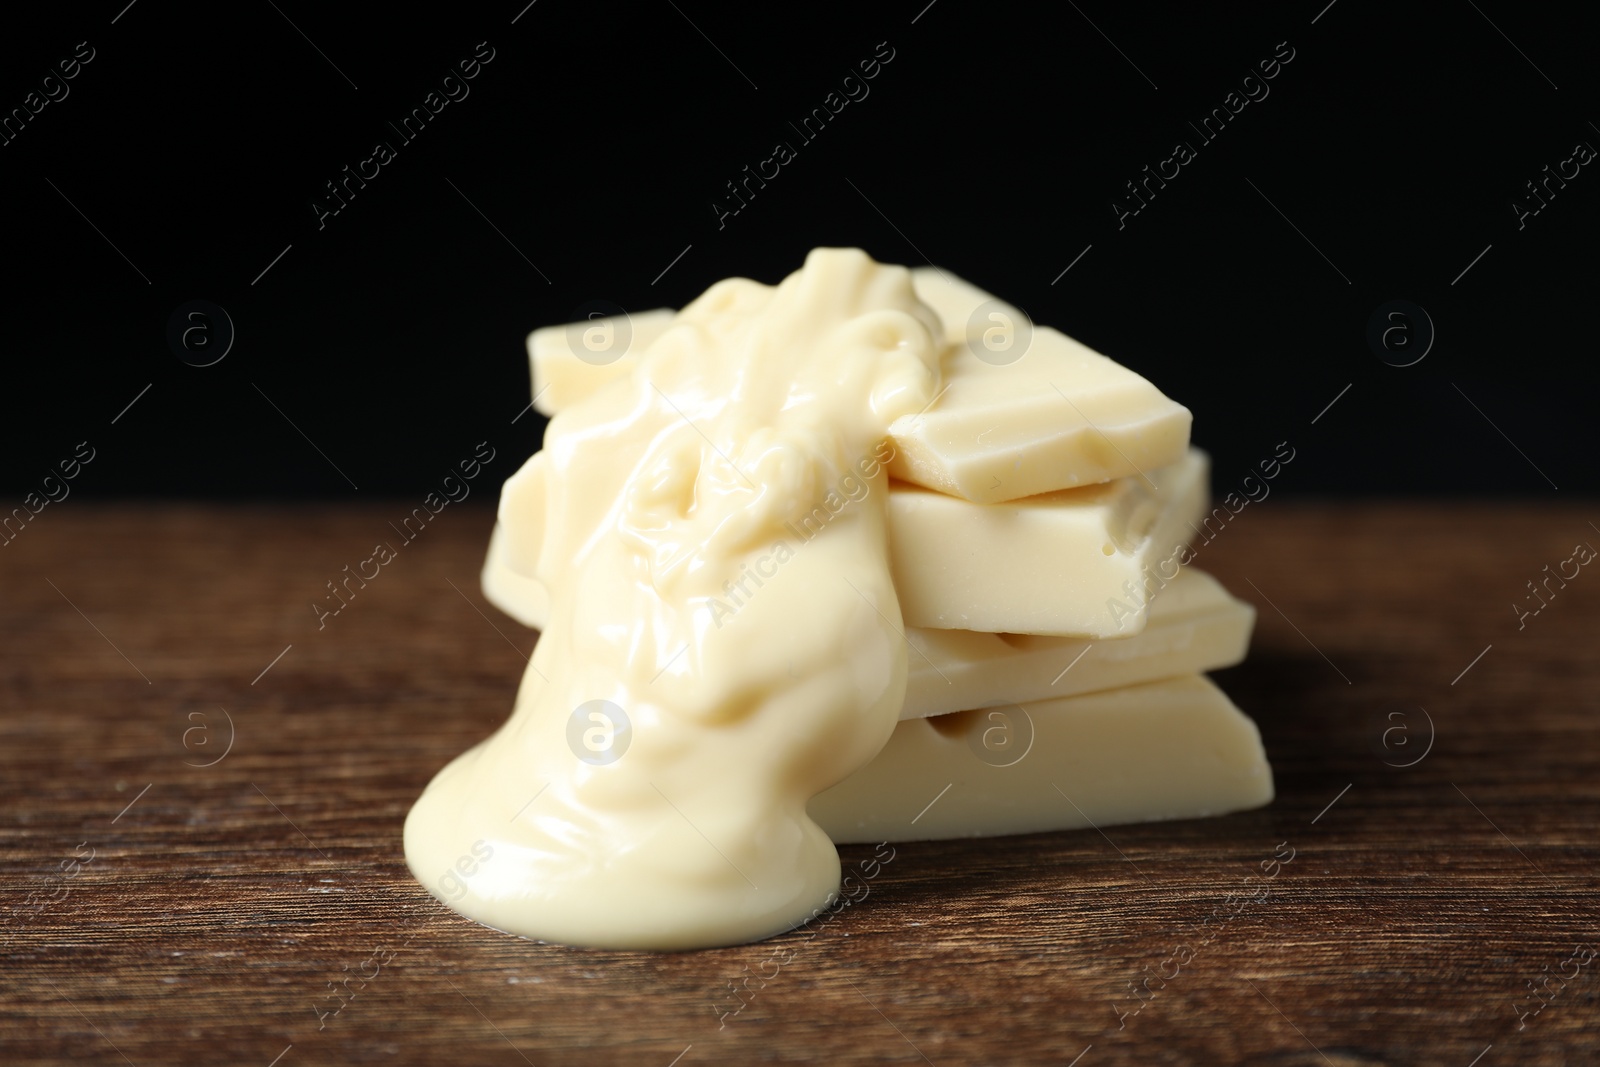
[1039, 511]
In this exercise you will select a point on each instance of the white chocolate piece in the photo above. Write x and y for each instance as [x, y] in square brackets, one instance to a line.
[1080, 562]
[1010, 425]
[1061, 415]
[513, 592]
[1194, 626]
[1075, 562]
[1177, 749]
[571, 361]
[1004, 426]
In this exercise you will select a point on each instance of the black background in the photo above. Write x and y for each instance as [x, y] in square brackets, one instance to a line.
[596, 141]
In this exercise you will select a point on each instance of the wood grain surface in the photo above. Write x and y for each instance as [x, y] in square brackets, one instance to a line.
[160, 910]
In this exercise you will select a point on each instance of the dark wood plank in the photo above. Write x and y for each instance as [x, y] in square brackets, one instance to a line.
[224, 900]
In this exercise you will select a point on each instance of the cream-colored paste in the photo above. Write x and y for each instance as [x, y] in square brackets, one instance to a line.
[649, 790]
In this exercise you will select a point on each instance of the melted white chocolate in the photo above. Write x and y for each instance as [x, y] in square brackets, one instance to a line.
[680, 821]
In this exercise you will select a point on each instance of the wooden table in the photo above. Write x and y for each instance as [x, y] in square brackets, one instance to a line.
[223, 903]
